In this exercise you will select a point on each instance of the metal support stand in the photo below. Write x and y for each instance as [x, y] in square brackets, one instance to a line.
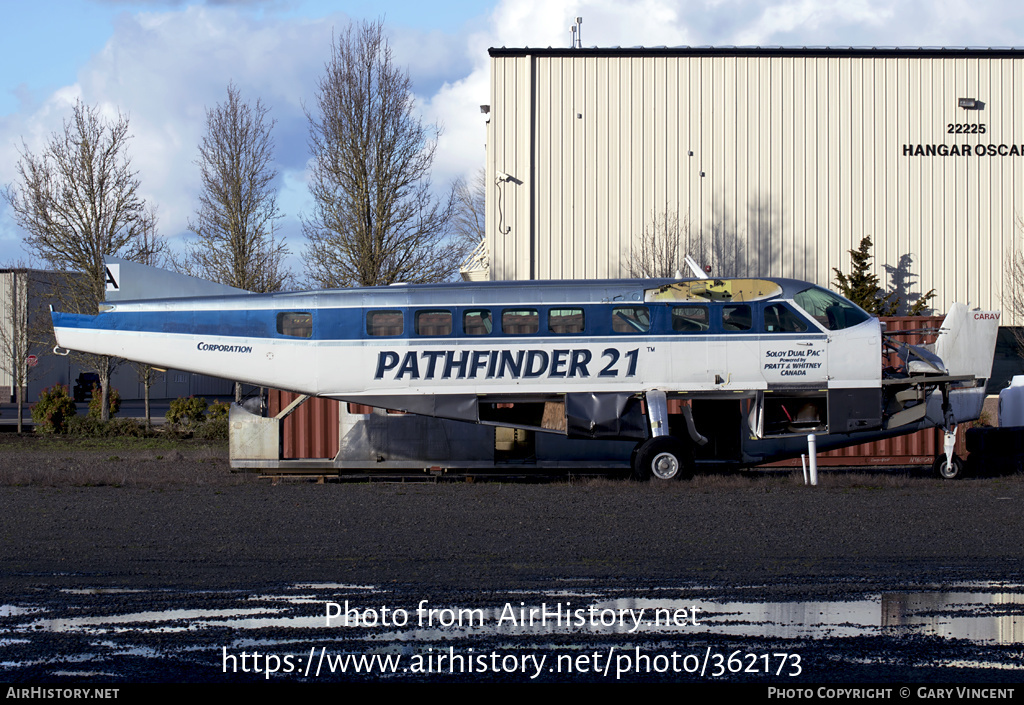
[657, 412]
[812, 454]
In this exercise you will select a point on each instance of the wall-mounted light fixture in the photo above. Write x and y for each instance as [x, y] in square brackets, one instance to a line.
[967, 103]
[485, 109]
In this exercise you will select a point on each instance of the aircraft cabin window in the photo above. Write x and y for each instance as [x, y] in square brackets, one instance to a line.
[522, 321]
[297, 324]
[384, 323]
[477, 322]
[565, 321]
[737, 317]
[689, 319]
[433, 323]
[779, 319]
[631, 319]
[831, 311]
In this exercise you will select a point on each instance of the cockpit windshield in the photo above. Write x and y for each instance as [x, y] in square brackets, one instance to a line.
[831, 311]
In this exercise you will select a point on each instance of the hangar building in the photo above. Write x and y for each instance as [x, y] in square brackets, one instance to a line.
[773, 161]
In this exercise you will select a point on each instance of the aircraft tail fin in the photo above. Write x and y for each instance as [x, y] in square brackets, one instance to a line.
[131, 281]
[967, 341]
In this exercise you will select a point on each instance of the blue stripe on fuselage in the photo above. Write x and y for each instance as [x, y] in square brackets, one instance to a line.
[241, 324]
[348, 324]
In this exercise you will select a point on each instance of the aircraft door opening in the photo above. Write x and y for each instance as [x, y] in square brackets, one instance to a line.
[721, 422]
[786, 413]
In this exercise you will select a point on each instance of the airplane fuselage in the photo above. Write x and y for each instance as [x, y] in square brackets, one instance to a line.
[490, 338]
[795, 358]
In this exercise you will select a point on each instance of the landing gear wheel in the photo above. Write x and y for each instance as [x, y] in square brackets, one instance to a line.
[948, 471]
[664, 458]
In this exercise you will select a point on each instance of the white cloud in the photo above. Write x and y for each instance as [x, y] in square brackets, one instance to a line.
[536, 23]
[163, 68]
[461, 149]
[627, 23]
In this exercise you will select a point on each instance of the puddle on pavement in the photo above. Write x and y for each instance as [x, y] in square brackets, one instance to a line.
[114, 634]
[976, 613]
[979, 617]
[193, 619]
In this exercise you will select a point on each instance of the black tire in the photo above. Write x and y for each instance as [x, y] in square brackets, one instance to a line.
[663, 458]
[955, 472]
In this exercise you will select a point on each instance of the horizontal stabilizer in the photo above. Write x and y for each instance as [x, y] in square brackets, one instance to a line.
[131, 281]
[919, 360]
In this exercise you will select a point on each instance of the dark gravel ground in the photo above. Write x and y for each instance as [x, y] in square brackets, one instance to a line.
[136, 519]
[179, 522]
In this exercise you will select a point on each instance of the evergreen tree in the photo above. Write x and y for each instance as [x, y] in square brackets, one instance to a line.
[861, 287]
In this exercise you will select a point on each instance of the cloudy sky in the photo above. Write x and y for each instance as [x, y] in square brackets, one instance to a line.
[163, 62]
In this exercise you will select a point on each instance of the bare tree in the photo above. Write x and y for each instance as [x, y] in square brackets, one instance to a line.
[1013, 292]
[238, 204]
[468, 219]
[666, 241]
[155, 253]
[376, 220]
[469, 224]
[15, 340]
[662, 248]
[77, 201]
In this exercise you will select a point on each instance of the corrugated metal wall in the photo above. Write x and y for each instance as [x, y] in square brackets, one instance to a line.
[918, 448]
[311, 431]
[781, 162]
[9, 283]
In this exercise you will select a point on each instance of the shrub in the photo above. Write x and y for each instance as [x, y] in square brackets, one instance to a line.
[92, 427]
[86, 426]
[192, 415]
[54, 409]
[186, 413]
[983, 421]
[212, 430]
[125, 428]
[96, 403]
[217, 410]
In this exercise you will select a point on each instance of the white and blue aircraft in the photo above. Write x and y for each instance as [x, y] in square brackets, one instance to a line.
[740, 369]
